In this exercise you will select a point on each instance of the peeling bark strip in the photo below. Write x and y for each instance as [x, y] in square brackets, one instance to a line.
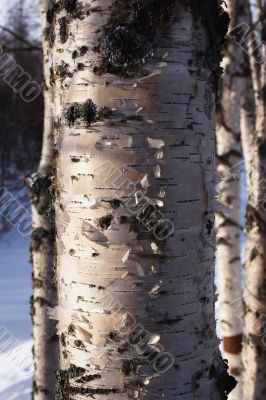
[45, 346]
[161, 132]
[143, 210]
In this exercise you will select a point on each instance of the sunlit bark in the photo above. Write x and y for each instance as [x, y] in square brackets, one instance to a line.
[135, 106]
[228, 221]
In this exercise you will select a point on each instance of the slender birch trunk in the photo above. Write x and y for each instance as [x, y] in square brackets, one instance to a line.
[46, 346]
[229, 155]
[254, 349]
[135, 191]
[247, 122]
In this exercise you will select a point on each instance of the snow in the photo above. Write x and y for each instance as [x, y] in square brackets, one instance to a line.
[15, 323]
[14, 384]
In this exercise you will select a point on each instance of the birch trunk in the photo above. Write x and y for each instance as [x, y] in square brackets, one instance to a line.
[254, 353]
[229, 155]
[135, 108]
[254, 350]
[46, 346]
[254, 293]
[247, 122]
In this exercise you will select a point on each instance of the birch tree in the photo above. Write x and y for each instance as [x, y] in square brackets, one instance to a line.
[229, 154]
[254, 350]
[46, 346]
[135, 198]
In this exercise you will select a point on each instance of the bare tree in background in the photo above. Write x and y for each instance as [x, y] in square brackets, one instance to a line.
[229, 155]
[46, 350]
[254, 340]
[20, 122]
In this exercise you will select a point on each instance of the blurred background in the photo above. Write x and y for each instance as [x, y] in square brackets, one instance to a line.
[20, 144]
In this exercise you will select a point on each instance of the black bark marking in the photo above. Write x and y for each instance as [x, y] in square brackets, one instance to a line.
[209, 226]
[63, 29]
[79, 344]
[105, 222]
[40, 237]
[80, 66]
[87, 111]
[88, 378]
[254, 253]
[224, 242]
[38, 186]
[70, 5]
[254, 219]
[127, 40]
[73, 113]
[62, 70]
[130, 367]
[263, 94]
[64, 390]
[83, 50]
[115, 203]
[225, 159]
[63, 339]
[170, 321]
[71, 330]
[262, 148]
[233, 260]
[53, 7]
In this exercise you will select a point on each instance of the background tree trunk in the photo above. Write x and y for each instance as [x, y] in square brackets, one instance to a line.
[135, 110]
[46, 346]
[254, 350]
[228, 222]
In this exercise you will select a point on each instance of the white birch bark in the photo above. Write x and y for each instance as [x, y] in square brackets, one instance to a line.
[254, 339]
[45, 348]
[247, 123]
[126, 297]
[228, 222]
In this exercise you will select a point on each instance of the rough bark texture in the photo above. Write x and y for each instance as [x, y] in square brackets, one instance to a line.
[46, 344]
[135, 108]
[229, 156]
[254, 349]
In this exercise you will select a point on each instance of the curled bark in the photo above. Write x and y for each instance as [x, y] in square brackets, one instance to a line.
[135, 165]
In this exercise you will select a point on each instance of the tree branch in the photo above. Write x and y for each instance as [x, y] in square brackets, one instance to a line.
[15, 35]
[10, 49]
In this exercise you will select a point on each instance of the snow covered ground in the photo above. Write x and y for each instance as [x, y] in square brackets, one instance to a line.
[14, 384]
[15, 323]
